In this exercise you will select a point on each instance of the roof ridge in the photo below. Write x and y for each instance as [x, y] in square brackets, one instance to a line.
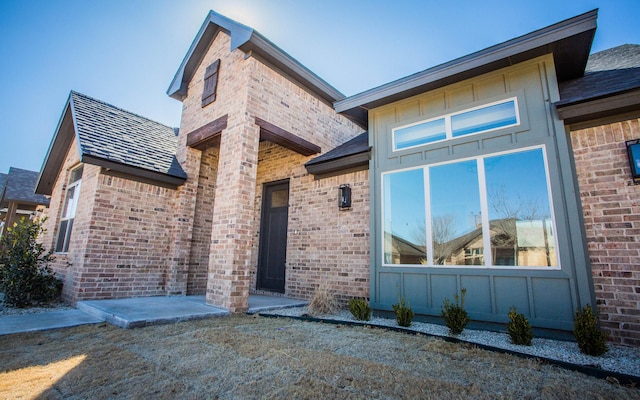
[73, 92]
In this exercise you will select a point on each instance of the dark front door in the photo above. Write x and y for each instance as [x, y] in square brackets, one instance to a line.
[273, 237]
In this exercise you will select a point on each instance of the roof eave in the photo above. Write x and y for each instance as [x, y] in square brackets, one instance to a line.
[252, 43]
[57, 152]
[340, 164]
[571, 39]
[167, 179]
[601, 107]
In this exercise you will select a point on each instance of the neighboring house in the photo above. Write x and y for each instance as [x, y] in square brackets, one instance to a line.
[504, 172]
[18, 198]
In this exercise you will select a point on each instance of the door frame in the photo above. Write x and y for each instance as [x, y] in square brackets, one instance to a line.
[262, 239]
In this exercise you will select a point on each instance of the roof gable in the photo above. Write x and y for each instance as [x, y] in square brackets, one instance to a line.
[569, 41]
[254, 44]
[113, 138]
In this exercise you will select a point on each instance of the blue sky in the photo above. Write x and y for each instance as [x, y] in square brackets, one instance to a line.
[126, 52]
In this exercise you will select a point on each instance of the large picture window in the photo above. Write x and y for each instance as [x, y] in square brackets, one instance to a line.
[489, 211]
[480, 119]
[69, 210]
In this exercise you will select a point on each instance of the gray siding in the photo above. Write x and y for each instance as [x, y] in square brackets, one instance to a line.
[548, 297]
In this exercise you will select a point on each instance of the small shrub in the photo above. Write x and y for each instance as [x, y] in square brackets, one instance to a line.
[519, 328]
[591, 340]
[360, 309]
[455, 316]
[323, 302]
[25, 275]
[404, 313]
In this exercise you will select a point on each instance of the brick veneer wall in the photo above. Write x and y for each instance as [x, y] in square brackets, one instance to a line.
[129, 240]
[120, 239]
[611, 207]
[247, 88]
[202, 222]
[326, 247]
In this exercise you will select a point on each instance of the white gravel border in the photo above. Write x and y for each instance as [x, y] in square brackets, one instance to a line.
[620, 359]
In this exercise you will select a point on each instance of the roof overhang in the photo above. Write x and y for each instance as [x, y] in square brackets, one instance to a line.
[65, 134]
[54, 160]
[569, 41]
[252, 43]
[613, 105]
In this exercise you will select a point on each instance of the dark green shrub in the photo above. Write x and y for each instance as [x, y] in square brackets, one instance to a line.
[25, 276]
[404, 314]
[360, 309]
[519, 328]
[591, 340]
[455, 316]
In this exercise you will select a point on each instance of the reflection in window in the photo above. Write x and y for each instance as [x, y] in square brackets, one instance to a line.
[484, 119]
[519, 210]
[404, 218]
[418, 134]
[456, 228]
[495, 205]
[480, 119]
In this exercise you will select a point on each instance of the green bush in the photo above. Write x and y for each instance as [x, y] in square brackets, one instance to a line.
[519, 328]
[455, 316]
[591, 340]
[360, 309]
[25, 276]
[404, 314]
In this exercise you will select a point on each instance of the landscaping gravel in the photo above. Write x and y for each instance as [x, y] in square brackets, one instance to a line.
[620, 359]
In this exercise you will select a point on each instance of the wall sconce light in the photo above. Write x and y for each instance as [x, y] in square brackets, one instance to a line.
[344, 197]
[633, 150]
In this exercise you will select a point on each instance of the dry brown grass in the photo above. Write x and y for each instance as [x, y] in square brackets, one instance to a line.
[254, 357]
[323, 302]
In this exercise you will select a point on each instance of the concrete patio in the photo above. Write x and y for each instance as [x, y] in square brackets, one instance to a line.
[135, 312]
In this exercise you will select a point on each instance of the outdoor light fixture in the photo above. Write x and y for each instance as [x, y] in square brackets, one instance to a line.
[633, 150]
[344, 198]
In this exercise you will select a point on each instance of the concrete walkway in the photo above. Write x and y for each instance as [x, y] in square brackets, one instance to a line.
[135, 312]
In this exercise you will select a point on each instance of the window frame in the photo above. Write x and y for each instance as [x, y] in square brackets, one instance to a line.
[484, 217]
[448, 123]
[68, 214]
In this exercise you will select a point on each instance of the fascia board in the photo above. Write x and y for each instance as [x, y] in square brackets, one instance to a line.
[54, 159]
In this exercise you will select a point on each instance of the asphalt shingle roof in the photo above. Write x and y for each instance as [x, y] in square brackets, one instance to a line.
[608, 72]
[359, 144]
[20, 187]
[3, 181]
[113, 134]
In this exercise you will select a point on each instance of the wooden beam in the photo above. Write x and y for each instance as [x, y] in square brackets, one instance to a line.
[207, 132]
[274, 134]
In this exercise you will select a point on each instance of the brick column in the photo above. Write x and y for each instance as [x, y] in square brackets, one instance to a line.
[180, 251]
[230, 255]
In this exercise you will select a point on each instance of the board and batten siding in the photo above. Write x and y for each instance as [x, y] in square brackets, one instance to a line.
[548, 297]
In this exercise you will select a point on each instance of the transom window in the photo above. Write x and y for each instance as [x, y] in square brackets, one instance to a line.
[488, 211]
[69, 210]
[480, 119]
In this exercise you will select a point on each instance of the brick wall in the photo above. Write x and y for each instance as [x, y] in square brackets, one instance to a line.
[246, 89]
[325, 246]
[611, 207]
[129, 240]
[202, 222]
[120, 239]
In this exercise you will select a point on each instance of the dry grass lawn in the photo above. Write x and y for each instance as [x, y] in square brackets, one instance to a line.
[245, 357]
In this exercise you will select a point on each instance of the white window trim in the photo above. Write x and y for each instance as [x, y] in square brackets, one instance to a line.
[447, 124]
[484, 211]
[72, 213]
